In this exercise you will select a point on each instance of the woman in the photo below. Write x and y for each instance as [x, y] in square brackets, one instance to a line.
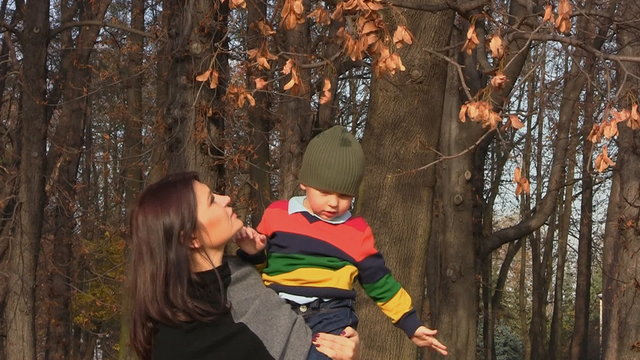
[190, 302]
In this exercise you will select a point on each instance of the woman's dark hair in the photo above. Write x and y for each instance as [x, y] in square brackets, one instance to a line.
[162, 225]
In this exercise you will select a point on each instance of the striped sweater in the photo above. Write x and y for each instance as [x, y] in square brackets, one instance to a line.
[310, 257]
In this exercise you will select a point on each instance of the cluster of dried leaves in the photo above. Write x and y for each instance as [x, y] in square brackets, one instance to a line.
[366, 36]
[562, 21]
[609, 129]
[482, 112]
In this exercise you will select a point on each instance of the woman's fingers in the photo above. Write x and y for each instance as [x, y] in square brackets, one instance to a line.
[338, 347]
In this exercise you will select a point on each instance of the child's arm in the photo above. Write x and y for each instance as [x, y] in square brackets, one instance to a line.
[425, 337]
[250, 241]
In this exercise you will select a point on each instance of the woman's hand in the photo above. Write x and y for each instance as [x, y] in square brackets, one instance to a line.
[339, 347]
[250, 241]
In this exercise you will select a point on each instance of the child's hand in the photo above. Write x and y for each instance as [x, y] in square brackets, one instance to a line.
[250, 241]
[424, 337]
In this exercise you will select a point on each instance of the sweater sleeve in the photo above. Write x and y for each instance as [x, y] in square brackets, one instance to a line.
[285, 334]
[380, 285]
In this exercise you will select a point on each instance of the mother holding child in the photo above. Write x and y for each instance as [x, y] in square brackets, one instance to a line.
[190, 301]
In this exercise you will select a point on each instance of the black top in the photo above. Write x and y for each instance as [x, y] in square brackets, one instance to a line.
[220, 338]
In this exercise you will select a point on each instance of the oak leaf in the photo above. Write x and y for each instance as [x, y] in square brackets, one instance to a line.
[499, 80]
[326, 94]
[260, 83]
[402, 36]
[522, 183]
[320, 15]
[462, 115]
[595, 134]
[204, 76]
[496, 45]
[620, 116]
[515, 122]
[610, 129]
[634, 118]
[264, 28]
[237, 4]
[548, 14]
[213, 80]
[472, 40]
[603, 161]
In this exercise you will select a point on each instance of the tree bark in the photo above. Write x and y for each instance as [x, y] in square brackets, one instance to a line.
[260, 124]
[133, 165]
[405, 113]
[193, 115]
[621, 263]
[19, 311]
[296, 116]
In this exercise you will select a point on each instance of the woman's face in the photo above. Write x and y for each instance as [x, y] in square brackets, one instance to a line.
[217, 223]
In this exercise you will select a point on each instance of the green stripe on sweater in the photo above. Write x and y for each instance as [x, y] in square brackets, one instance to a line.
[283, 263]
[383, 289]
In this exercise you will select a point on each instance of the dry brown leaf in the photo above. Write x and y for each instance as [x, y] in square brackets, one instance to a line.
[264, 28]
[522, 183]
[320, 15]
[603, 161]
[260, 83]
[620, 116]
[595, 134]
[213, 80]
[514, 122]
[634, 118]
[548, 14]
[499, 80]
[496, 45]
[610, 129]
[462, 115]
[204, 76]
[288, 66]
[402, 36]
[237, 4]
[472, 40]
[263, 63]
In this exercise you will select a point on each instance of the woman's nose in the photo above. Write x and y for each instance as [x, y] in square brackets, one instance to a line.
[225, 200]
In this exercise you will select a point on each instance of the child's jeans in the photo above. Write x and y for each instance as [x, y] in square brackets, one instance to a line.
[327, 316]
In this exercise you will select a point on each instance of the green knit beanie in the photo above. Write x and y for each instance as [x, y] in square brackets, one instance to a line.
[333, 161]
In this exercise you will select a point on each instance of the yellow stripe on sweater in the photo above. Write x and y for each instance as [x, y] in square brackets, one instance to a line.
[397, 306]
[315, 277]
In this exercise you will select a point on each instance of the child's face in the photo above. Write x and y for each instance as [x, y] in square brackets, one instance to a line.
[324, 204]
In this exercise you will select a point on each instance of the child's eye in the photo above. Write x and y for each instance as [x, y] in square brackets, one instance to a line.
[213, 199]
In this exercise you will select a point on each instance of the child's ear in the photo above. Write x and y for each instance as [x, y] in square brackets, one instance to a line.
[303, 187]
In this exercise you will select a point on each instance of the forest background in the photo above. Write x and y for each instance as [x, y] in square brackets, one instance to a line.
[501, 136]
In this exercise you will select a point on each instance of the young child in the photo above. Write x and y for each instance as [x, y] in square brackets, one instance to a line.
[317, 249]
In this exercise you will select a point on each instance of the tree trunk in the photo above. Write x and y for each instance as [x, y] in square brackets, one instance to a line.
[63, 160]
[405, 113]
[295, 125]
[621, 294]
[19, 311]
[133, 166]
[193, 116]
[260, 124]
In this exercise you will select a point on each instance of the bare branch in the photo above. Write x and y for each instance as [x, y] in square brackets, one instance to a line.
[573, 42]
[446, 157]
[70, 25]
[436, 7]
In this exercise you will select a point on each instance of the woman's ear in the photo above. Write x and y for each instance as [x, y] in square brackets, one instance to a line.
[194, 243]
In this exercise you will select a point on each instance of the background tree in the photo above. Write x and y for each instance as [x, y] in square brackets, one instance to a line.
[471, 115]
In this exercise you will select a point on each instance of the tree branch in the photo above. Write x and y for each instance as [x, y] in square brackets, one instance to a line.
[573, 42]
[436, 7]
[70, 25]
